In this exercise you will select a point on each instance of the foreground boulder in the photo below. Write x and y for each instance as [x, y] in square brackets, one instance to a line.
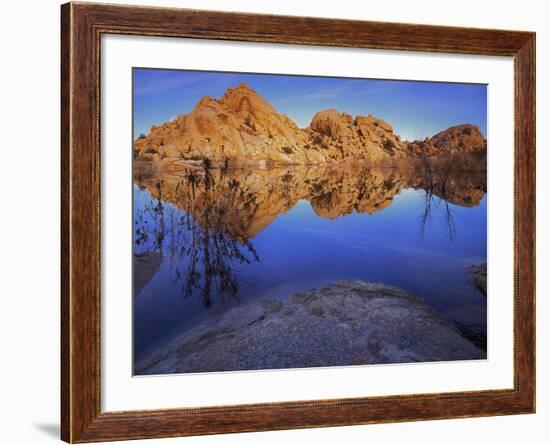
[345, 323]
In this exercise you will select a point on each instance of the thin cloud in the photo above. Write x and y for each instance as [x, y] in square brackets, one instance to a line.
[162, 81]
[355, 87]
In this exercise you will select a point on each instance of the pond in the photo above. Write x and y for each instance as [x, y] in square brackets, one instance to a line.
[226, 237]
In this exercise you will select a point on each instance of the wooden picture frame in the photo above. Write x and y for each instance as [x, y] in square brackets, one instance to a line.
[82, 25]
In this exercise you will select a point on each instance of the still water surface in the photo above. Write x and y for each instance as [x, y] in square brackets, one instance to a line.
[231, 237]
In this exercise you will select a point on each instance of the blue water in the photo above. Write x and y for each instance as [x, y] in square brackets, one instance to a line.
[299, 250]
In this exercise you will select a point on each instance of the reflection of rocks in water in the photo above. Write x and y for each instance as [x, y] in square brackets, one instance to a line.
[224, 209]
[479, 277]
[203, 260]
[345, 323]
[146, 265]
[244, 202]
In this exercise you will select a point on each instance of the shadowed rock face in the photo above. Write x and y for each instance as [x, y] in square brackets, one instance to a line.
[243, 202]
[242, 128]
[146, 265]
[345, 323]
[479, 277]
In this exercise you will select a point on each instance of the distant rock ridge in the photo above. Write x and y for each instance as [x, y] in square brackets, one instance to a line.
[241, 128]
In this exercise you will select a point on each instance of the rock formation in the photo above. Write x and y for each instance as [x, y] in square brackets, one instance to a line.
[146, 265]
[345, 323]
[242, 128]
[479, 277]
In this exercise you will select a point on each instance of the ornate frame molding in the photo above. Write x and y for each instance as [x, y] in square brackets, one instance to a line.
[82, 25]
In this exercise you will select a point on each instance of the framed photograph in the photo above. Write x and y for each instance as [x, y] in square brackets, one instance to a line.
[275, 222]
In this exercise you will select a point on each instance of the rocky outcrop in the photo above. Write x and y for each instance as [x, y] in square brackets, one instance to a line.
[363, 138]
[479, 277]
[462, 138]
[345, 323]
[146, 265]
[242, 128]
[465, 139]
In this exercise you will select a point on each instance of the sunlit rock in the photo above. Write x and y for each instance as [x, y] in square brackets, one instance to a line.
[242, 128]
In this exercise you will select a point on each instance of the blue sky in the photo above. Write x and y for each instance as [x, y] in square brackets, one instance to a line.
[414, 109]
